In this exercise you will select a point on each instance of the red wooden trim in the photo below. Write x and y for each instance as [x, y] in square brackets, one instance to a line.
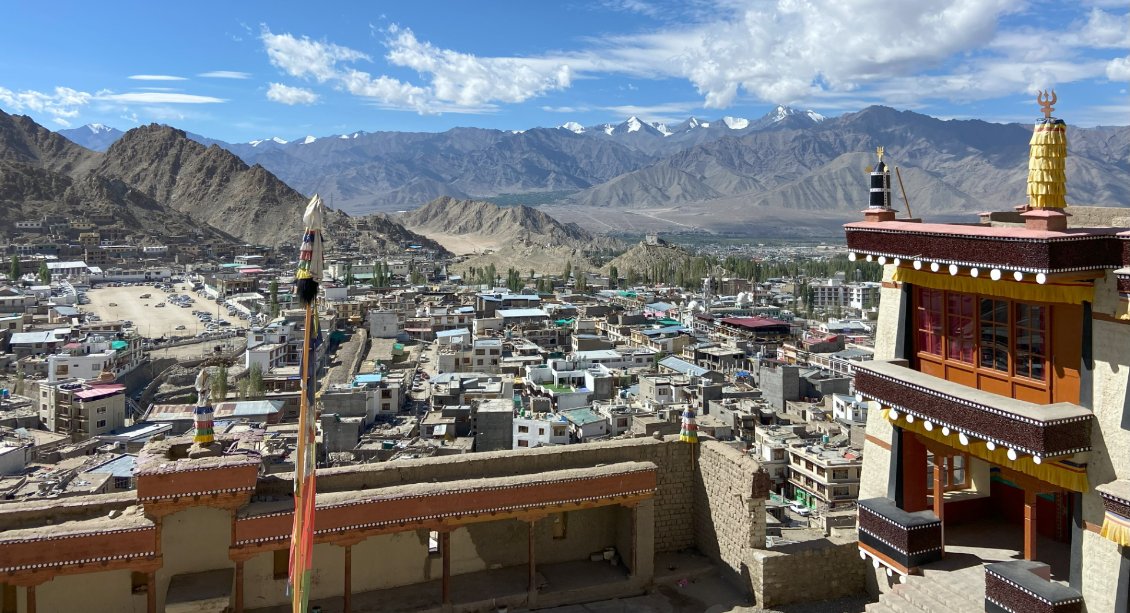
[878, 441]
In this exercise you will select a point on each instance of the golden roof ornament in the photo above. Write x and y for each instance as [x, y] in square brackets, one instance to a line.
[1047, 158]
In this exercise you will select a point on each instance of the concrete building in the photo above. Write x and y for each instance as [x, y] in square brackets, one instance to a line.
[385, 324]
[539, 430]
[79, 408]
[824, 478]
[493, 423]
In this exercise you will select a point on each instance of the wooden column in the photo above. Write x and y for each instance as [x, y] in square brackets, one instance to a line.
[940, 495]
[1029, 524]
[445, 551]
[151, 593]
[348, 594]
[31, 599]
[532, 586]
[238, 587]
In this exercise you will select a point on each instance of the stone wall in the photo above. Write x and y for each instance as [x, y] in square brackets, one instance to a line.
[674, 517]
[729, 506]
[814, 570]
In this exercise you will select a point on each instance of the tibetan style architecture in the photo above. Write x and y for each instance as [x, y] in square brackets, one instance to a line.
[541, 527]
[997, 463]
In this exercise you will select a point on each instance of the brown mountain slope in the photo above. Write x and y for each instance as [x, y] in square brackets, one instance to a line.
[468, 226]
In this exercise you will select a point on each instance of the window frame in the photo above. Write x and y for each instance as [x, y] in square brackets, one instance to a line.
[927, 332]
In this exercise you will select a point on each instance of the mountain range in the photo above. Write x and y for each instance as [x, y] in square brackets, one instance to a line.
[729, 174]
[155, 182]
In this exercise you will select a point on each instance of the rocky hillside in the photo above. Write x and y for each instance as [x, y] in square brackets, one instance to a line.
[643, 258]
[156, 181]
[469, 226]
[42, 173]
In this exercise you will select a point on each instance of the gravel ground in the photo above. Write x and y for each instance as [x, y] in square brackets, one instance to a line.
[149, 320]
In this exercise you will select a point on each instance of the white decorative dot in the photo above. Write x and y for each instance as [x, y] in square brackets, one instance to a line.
[928, 425]
[851, 256]
[990, 445]
[935, 267]
[961, 438]
[973, 272]
[897, 262]
[1037, 459]
[1041, 278]
[882, 259]
[894, 415]
[1012, 454]
[945, 430]
[917, 265]
[870, 257]
[953, 270]
[1019, 276]
[909, 418]
[995, 274]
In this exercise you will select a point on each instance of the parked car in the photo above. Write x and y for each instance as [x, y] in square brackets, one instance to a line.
[800, 509]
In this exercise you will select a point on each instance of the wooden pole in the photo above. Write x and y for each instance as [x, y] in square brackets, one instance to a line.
[445, 552]
[31, 599]
[151, 593]
[533, 582]
[1029, 524]
[238, 587]
[348, 596]
[939, 495]
[903, 190]
[300, 465]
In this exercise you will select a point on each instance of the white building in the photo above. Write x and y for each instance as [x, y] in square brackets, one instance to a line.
[385, 324]
[540, 430]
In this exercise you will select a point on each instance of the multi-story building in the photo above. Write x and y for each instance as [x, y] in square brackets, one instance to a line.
[997, 423]
[117, 355]
[824, 478]
[79, 408]
[539, 430]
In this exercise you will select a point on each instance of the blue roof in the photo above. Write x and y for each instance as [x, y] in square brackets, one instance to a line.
[367, 378]
[583, 416]
[662, 331]
[660, 306]
[121, 466]
[447, 333]
[522, 313]
[682, 366]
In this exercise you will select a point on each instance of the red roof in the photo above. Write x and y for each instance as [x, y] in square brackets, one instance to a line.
[100, 391]
[753, 322]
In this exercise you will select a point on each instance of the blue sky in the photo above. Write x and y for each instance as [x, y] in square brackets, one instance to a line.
[245, 70]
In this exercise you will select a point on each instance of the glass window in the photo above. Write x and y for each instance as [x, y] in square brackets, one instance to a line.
[994, 334]
[959, 327]
[1030, 348]
[930, 321]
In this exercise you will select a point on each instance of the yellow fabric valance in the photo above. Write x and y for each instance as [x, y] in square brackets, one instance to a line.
[1116, 528]
[1057, 473]
[1065, 292]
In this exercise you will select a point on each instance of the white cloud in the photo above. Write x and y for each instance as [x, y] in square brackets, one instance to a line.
[61, 122]
[63, 103]
[284, 94]
[305, 58]
[155, 77]
[158, 98]
[456, 82]
[225, 74]
[1118, 69]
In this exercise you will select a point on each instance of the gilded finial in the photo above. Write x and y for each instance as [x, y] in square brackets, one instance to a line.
[1046, 102]
[879, 150]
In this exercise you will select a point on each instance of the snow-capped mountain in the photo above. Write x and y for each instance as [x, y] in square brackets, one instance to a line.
[95, 136]
[573, 127]
[784, 116]
[266, 141]
[735, 123]
[309, 139]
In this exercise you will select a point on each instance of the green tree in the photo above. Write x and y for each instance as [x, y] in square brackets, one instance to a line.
[514, 280]
[14, 268]
[416, 277]
[273, 289]
[349, 274]
[44, 274]
[582, 281]
[613, 276]
[220, 384]
[568, 271]
[255, 387]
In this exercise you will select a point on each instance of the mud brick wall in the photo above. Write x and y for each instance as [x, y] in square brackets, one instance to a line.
[729, 506]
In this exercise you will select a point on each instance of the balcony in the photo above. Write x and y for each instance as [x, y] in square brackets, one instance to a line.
[897, 539]
[1023, 585]
[1039, 431]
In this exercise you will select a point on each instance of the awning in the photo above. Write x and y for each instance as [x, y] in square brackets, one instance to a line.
[1116, 528]
[1068, 292]
[1056, 472]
